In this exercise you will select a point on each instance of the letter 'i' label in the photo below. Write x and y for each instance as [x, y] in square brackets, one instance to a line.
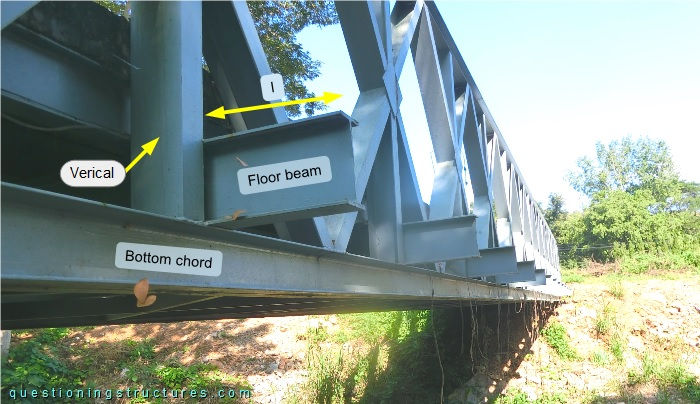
[289, 174]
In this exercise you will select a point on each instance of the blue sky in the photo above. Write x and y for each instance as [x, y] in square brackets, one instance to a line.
[557, 77]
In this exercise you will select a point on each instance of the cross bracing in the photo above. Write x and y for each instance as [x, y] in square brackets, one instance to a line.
[362, 240]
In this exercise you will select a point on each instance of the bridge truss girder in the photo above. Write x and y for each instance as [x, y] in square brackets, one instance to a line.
[502, 239]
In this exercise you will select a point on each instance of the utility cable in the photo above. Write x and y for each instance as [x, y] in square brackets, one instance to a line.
[437, 349]
[47, 129]
[461, 317]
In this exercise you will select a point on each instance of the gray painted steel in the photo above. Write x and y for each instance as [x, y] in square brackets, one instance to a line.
[253, 265]
[233, 50]
[235, 57]
[37, 71]
[11, 10]
[493, 261]
[526, 273]
[327, 136]
[440, 240]
[386, 238]
[191, 183]
[166, 102]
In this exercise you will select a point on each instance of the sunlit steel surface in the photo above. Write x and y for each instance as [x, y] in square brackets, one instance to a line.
[383, 248]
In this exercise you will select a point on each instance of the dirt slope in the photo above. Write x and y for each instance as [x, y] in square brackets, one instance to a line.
[626, 336]
[630, 337]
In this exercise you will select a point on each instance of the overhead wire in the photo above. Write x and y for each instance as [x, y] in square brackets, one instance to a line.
[46, 128]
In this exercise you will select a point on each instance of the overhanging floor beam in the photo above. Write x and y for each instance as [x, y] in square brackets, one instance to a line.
[440, 240]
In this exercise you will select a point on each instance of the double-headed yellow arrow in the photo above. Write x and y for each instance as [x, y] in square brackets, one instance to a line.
[221, 112]
[147, 148]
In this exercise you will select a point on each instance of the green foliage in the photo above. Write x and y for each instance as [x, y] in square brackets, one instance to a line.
[412, 372]
[555, 208]
[326, 374]
[617, 347]
[667, 374]
[316, 335]
[52, 335]
[143, 369]
[600, 358]
[175, 377]
[34, 364]
[618, 224]
[513, 397]
[620, 220]
[687, 198]
[572, 277]
[551, 398]
[644, 262]
[118, 7]
[605, 321]
[519, 397]
[627, 165]
[616, 289]
[397, 361]
[388, 325]
[141, 350]
[179, 376]
[640, 213]
[555, 335]
[569, 232]
[278, 23]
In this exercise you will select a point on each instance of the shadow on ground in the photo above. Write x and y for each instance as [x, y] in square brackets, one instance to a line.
[460, 355]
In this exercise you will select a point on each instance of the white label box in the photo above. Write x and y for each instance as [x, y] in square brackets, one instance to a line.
[92, 173]
[272, 86]
[289, 174]
[160, 258]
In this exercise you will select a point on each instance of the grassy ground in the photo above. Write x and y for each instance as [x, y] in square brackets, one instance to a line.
[58, 358]
[631, 338]
[620, 338]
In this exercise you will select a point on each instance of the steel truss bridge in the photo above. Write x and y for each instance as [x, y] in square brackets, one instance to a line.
[81, 83]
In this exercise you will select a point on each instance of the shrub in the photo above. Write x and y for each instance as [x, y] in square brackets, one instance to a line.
[640, 213]
[141, 350]
[556, 337]
[34, 364]
[513, 397]
[570, 276]
[326, 374]
[668, 375]
[600, 358]
[616, 289]
[617, 347]
[605, 321]
[190, 377]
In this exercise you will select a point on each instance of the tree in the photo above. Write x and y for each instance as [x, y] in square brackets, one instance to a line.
[627, 165]
[278, 23]
[618, 223]
[639, 210]
[686, 199]
[118, 7]
[555, 209]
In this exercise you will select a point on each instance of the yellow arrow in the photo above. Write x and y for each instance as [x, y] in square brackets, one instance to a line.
[147, 148]
[221, 112]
